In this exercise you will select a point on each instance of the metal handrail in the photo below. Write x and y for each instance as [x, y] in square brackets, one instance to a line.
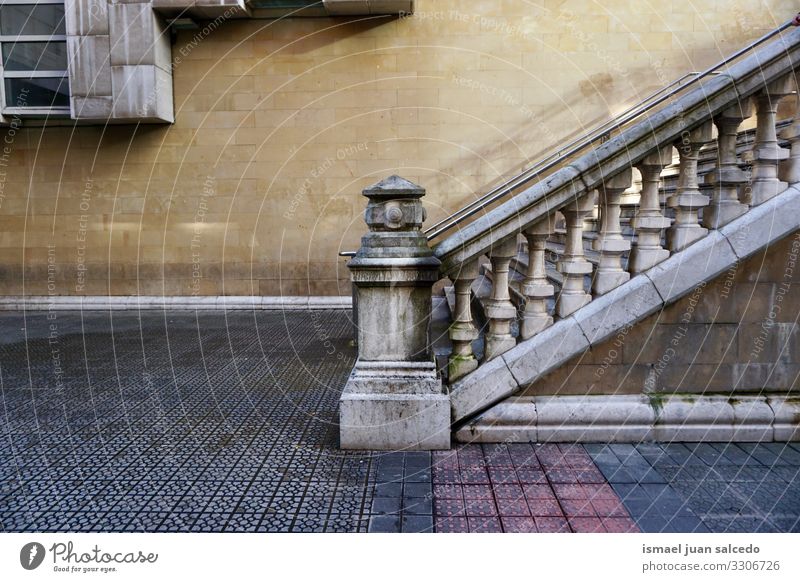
[579, 144]
[648, 103]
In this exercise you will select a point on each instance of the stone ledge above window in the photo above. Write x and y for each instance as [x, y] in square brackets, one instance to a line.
[120, 77]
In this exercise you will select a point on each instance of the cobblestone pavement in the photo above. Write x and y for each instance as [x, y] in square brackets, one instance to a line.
[176, 421]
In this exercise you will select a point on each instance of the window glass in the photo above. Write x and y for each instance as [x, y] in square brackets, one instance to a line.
[33, 48]
[37, 92]
[35, 56]
[28, 19]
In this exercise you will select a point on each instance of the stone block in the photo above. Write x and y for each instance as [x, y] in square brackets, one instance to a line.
[697, 264]
[394, 421]
[619, 308]
[404, 7]
[346, 7]
[86, 17]
[91, 107]
[786, 426]
[764, 224]
[769, 342]
[512, 420]
[535, 357]
[692, 418]
[202, 9]
[89, 66]
[594, 419]
[488, 384]
[139, 36]
[693, 378]
[752, 419]
[143, 93]
[755, 377]
[678, 344]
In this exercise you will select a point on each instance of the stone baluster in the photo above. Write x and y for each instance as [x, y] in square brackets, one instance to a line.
[610, 243]
[727, 178]
[573, 264]
[463, 331]
[789, 169]
[767, 154]
[499, 310]
[650, 222]
[536, 287]
[687, 199]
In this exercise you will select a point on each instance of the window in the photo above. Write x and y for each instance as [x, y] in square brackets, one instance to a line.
[33, 47]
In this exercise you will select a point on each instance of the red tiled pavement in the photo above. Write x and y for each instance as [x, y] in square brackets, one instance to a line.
[524, 488]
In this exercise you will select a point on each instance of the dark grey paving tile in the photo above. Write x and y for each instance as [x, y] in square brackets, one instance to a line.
[384, 524]
[417, 506]
[761, 453]
[787, 524]
[784, 451]
[417, 524]
[687, 524]
[418, 490]
[738, 456]
[394, 489]
[653, 524]
[386, 505]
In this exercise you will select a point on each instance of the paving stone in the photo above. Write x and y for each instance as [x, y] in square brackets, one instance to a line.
[586, 525]
[508, 491]
[417, 524]
[245, 454]
[545, 508]
[417, 490]
[552, 524]
[653, 524]
[452, 524]
[386, 505]
[518, 525]
[417, 506]
[513, 508]
[389, 489]
[384, 524]
[478, 492]
[620, 525]
[484, 525]
[735, 454]
[787, 524]
[480, 507]
[577, 508]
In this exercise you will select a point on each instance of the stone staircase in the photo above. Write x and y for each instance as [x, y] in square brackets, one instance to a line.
[598, 245]
[555, 243]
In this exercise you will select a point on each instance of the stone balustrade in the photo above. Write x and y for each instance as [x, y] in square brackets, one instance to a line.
[528, 291]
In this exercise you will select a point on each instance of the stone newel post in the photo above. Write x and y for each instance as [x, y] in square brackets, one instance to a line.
[394, 397]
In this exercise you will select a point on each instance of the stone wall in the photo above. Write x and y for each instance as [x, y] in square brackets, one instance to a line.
[738, 333]
[279, 124]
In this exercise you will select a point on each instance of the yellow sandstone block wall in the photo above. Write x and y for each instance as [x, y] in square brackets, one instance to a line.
[280, 124]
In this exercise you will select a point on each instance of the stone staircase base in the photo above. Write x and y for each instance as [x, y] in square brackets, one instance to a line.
[637, 418]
